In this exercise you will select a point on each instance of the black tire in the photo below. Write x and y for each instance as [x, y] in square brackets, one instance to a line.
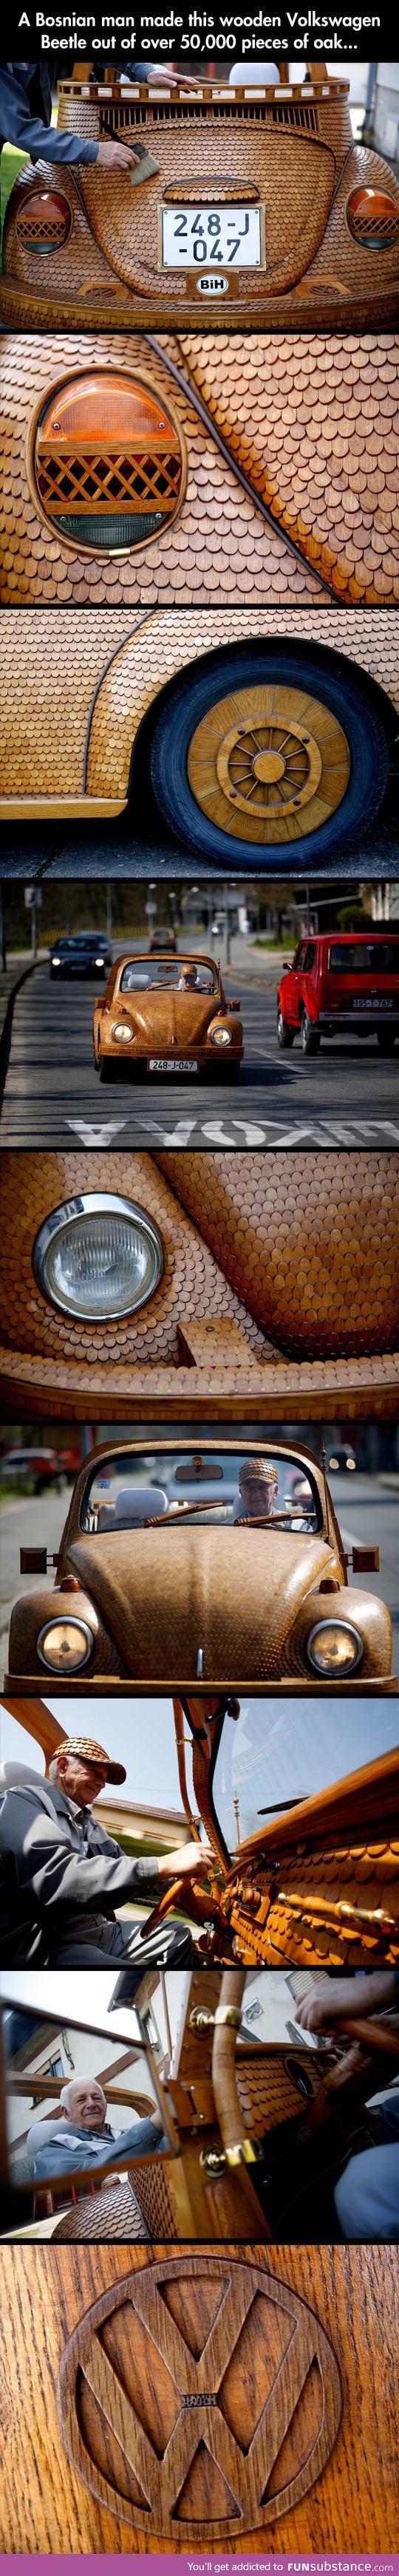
[352, 698]
[107, 1069]
[310, 1037]
[386, 1041]
[285, 1036]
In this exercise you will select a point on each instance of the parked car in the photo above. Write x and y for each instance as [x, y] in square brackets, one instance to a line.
[258, 208]
[86, 952]
[244, 1587]
[167, 1016]
[341, 982]
[39, 1467]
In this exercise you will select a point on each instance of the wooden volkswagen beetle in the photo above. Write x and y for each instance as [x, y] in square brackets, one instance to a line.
[257, 208]
[166, 1015]
[220, 1566]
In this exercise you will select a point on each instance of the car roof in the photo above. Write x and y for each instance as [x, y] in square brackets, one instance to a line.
[345, 937]
[183, 957]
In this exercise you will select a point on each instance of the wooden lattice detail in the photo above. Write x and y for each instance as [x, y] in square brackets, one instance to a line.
[373, 220]
[102, 482]
[43, 219]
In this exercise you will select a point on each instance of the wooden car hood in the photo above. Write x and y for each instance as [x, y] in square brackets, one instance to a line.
[161, 1016]
[164, 1594]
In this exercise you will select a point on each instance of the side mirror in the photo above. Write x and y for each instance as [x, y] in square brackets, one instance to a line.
[285, 967]
[365, 1560]
[234, 1006]
[33, 1560]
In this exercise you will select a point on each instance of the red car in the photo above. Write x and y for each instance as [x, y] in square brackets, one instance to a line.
[341, 981]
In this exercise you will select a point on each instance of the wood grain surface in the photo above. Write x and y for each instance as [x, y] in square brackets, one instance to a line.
[44, 2294]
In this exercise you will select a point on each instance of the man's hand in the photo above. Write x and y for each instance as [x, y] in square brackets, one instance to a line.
[186, 1863]
[117, 156]
[346, 1996]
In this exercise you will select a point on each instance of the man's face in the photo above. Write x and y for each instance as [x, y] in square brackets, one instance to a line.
[258, 1497]
[189, 975]
[81, 1780]
[87, 2106]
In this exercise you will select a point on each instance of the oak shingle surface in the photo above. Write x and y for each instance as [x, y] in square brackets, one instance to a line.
[312, 422]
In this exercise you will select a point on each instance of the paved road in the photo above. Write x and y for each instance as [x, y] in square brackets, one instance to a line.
[348, 1095]
[366, 1509]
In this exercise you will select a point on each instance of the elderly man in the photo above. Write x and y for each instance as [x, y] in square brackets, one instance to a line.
[62, 1875]
[258, 1490]
[84, 2138]
[367, 2192]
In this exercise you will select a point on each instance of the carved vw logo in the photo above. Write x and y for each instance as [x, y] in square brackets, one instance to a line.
[185, 2388]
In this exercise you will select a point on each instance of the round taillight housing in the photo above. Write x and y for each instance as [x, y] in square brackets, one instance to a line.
[108, 462]
[44, 219]
[373, 218]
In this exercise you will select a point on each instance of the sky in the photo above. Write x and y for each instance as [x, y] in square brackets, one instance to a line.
[74, 1994]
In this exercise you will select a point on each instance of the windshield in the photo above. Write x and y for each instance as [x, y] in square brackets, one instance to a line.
[364, 957]
[278, 1751]
[176, 974]
[205, 1489]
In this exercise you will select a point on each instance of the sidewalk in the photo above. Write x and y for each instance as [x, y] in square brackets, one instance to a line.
[20, 964]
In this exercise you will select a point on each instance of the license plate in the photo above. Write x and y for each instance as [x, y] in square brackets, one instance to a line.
[168, 1064]
[372, 1005]
[212, 237]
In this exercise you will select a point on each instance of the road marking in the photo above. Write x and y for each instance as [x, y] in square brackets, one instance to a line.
[241, 1132]
[97, 1135]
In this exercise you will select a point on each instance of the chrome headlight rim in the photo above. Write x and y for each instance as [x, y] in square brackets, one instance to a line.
[220, 1036]
[66, 1620]
[96, 1203]
[122, 1032]
[346, 1628]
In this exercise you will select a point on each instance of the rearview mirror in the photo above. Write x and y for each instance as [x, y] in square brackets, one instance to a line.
[33, 1560]
[366, 1560]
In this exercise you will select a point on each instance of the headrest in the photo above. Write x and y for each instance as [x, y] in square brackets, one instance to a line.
[42, 2133]
[140, 1503]
[15, 1775]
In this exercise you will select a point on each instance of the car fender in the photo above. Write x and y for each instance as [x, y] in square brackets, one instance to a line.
[353, 1609]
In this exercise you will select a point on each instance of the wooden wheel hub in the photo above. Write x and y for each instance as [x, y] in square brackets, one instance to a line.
[283, 752]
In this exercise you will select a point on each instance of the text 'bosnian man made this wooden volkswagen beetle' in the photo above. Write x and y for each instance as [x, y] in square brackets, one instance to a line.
[166, 1015]
[222, 1566]
[257, 206]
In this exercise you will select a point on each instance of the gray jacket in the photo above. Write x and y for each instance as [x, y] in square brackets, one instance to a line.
[56, 1864]
[58, 2147]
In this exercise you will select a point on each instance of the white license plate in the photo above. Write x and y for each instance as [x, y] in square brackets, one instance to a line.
[167, 1064]
[212, 237]
[372, 1005]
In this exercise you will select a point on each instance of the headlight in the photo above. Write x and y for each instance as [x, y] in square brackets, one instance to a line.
[334, 1647]
[221, 1037]
[56, 961]
[65, 1645]
[121, 1031]
[98, 1257]
[99, 961]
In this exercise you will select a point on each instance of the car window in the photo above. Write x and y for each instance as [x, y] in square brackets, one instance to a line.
[272, 1755]
[309, 956]
[364, 957]
[152, 974]
[300, 956]
[137, 1488]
